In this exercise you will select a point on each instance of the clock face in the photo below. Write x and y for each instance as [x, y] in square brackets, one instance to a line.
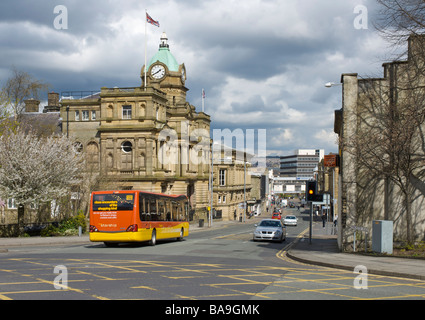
[157, 71]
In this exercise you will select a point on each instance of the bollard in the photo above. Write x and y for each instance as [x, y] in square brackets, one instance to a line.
[80, 231]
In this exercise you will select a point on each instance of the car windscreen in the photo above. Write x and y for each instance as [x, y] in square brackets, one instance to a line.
[270, 224]
[113, 202]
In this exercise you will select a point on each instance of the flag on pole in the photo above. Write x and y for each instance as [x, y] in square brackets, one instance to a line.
[151, 21]
[155, 23]
[203, 100]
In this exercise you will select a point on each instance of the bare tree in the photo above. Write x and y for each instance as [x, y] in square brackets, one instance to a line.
[19, 87]
[390, 140]
[399, 19]
[6, 122]
[36, 169]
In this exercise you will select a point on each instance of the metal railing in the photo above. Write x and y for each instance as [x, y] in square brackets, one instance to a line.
[79, 95]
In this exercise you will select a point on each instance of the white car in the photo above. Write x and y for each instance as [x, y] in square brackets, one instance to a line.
[270, 229]
[290, 221]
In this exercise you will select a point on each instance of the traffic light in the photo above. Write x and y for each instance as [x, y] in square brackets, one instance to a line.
[311, 189]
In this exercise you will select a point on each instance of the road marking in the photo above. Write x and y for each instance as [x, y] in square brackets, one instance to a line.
[282, 253]
[144, 287]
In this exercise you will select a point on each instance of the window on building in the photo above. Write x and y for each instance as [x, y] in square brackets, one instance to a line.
[127, 147]
[126, 112]
[222, 177]
[85, 115]
[77, 115]
[93, 115]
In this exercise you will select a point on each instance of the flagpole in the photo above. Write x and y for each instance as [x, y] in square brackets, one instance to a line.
[203, 100]
[146, 43]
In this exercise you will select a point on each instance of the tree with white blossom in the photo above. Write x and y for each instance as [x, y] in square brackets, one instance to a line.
[37, 169]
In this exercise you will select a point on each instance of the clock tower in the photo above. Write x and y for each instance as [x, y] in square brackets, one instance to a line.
[166, 74]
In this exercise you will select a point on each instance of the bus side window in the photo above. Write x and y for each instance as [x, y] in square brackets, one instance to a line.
[186, 210]
[161, 210]
[152, 210]
[175, 211]
[180, 212]
[168, 217]
[143, 212]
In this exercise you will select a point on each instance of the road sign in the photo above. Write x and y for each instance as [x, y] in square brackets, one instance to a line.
[330, 160]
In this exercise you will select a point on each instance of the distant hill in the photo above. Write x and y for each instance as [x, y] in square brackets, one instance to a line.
[271, 162]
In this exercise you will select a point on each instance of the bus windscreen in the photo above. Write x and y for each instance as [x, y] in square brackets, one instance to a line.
[113, 202]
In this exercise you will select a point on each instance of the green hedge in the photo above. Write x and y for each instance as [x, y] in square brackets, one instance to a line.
[68, 227]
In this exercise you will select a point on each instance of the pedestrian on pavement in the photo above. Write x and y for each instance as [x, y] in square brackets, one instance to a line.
[324, 219]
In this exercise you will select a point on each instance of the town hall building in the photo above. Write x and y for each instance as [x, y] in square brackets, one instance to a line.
[145, 138]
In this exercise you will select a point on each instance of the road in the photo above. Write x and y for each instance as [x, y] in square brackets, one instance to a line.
[219, 264]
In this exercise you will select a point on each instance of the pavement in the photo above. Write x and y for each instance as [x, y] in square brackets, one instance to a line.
[322, 251]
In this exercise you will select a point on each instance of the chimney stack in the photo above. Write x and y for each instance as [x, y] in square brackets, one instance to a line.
[31, 105]
[52, 102]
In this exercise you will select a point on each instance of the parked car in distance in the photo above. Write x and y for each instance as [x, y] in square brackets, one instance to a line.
[290, 220]
[270, 229]
[277, 215]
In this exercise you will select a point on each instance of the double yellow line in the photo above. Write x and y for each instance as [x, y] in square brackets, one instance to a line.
[282, 253]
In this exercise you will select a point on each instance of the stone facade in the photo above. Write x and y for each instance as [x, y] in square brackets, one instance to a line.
[148, 137]
[232, 182]
[367, 189]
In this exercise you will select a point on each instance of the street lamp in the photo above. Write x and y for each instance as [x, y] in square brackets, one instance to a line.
[329, 85]
[332, 84]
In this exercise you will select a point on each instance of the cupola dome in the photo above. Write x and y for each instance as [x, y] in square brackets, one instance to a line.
[164, 55]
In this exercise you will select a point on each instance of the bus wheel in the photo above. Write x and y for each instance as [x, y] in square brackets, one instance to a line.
[180, 238]
[153, 239]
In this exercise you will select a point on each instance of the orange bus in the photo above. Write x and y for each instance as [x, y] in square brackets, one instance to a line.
[136, 216]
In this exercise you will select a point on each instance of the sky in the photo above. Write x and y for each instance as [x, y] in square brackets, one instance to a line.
[262, 63]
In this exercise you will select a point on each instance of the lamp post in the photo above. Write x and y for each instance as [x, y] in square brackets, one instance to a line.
[244, 190]
[332, 84]
[67, 121]
[212, 182]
